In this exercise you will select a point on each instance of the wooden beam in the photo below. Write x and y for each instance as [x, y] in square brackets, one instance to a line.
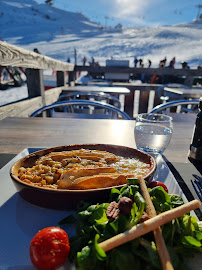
[133, 71]
[60, 78]
[11, 55]
[189, 80]
[128, 105]
[72, 77]
[35, 84]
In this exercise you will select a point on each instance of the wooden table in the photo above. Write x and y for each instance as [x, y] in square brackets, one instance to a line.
[93, 88]
[182, 93]
[19, 133]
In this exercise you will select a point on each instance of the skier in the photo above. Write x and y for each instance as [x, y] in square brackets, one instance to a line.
[84, 61]
[135, 61]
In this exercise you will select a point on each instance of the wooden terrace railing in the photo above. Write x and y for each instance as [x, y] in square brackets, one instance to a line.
[34, 64]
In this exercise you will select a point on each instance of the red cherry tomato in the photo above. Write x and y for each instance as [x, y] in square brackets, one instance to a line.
[156, 184]
[49, 248]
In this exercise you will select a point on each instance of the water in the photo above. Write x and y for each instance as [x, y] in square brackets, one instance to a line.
[152, 137]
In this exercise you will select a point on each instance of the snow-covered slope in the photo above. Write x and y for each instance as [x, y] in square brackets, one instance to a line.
[58, 34]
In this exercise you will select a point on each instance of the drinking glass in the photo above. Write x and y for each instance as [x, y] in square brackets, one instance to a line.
[153, 132]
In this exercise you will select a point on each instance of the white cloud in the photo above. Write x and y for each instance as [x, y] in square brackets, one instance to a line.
[137, 11]
[130, 7]
[132, 10]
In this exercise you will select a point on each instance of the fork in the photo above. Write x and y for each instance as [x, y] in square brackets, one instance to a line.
[198, 178]
[197, 185]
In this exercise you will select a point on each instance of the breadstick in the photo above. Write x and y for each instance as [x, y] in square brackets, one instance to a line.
[149, 225]
[160, 243]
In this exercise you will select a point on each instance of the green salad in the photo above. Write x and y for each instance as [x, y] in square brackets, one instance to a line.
[126, 208]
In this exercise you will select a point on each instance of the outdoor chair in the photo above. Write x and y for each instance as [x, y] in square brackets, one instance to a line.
[93, 96]
[83, 109]
[165, 98]
[180, 104]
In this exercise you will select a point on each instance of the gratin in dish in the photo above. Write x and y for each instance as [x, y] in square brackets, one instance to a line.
[82, 169]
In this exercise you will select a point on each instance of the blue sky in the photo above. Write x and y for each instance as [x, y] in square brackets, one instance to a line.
[133, 12]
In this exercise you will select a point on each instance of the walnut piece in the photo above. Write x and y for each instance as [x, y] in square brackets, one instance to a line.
[125, 205]
[112, 211]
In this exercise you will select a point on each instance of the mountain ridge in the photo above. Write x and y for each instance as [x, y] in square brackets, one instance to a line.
[58, 33]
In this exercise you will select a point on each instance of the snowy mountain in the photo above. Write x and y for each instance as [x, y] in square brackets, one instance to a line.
[58, 34]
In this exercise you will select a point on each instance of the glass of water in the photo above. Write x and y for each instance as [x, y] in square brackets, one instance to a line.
[153, 132]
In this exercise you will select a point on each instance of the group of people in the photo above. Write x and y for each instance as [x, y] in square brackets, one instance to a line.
[162, 63]
[84, 61]
[172, 63]
[139, 62]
